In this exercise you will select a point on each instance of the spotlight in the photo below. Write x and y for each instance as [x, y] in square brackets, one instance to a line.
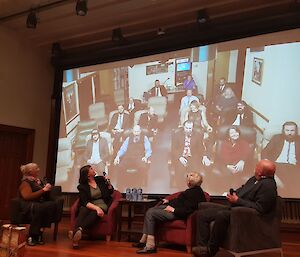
[31, 20]
[202, 17]
[117, 35]
[81, 7]
[160, 32]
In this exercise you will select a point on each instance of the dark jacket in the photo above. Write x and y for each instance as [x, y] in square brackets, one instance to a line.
[187, 202]
[148, 124]
[162, 88]
[258, 194]
[230, 117]
[274, 148]
[114, 120]
[103, 149]
[85, 192]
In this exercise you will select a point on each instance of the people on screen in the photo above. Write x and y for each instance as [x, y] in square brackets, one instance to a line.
[35, 203]
[95, 193]
[188, 151]
[118, 124]
[148, 121]
[134, 153]
[185, 104]
[284, 150]
[178, 208]
[239, 116]
[132, 106]
[220, 87]
[234, 151]
[259, 193]
[158, 89]
[97, 151]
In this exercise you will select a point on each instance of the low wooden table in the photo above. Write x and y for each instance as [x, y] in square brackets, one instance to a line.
[144, 204]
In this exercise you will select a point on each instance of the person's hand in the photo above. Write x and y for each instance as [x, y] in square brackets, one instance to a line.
[218, 108]
[100, 212]
[240, 166]
[164, 201]
[169, 209]
[114, 131]
[183, 161]
[206, 161]
[144, 159]
[117, 160]
[47, 187]
[232, 198]
[232, 168]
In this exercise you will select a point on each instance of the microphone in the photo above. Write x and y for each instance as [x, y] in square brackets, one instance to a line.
[231, 191]
[166, 80]
[107, 180]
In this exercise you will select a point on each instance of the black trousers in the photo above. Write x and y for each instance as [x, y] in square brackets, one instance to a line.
[42, 215]
[213, 238]
[86, 218]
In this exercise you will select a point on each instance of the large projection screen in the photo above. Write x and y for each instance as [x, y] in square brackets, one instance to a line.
[234, 124]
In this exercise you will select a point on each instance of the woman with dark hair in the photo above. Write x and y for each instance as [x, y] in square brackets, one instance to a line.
[234, 151]
[95, 198]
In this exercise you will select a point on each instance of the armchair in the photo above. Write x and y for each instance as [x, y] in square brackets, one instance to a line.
[97, 112]
[107, 225]
[251, 233]
[159, 103]
[180, 232]
[17, 217]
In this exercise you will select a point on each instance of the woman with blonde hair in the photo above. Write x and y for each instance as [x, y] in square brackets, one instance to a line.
[34, 204]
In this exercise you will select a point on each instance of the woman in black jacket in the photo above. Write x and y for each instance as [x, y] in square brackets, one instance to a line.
[95, 198]
[178, 208]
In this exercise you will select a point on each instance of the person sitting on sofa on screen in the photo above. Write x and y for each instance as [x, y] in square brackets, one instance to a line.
[95, 193]
[178, 208]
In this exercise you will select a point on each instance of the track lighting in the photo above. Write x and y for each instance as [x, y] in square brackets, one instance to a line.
[31, 21]
[202, 17]
[81, 7]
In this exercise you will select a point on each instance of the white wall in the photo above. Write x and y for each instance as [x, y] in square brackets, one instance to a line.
[199, 73]
[277, 98]
[26, 81]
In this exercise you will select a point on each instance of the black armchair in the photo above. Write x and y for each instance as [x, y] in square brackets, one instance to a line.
[250, 232]
[17, 217]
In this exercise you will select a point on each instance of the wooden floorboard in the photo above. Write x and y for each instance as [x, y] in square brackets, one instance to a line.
[96, 248]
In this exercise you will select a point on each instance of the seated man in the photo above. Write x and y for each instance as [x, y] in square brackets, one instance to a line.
[259, 193]
[240, 116]
[118, 124]
[185, 104]
[97, 152]
[132, 106]
[134, 153]
[188, 151]
[148, 121]
[284, 150]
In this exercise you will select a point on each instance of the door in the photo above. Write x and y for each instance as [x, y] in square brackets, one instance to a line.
[16, 148]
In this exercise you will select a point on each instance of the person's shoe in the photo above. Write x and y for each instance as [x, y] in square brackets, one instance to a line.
[31, 241]
[200, 251]
[70, 234]
[76, 238]
[40, 240]
[139, 245]
[146, 250]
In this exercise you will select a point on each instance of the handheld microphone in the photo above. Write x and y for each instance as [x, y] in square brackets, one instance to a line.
[231, 191]
[107, 180]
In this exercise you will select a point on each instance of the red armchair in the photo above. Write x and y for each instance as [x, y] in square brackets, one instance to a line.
[179, 231]
[105, 226]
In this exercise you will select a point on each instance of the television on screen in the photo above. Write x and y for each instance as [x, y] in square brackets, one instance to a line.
[185, 66]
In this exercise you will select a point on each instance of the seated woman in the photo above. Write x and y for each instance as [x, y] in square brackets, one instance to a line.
[34, 204]
[178, 208]
[197, 114]
[234, 151]
[95, 198]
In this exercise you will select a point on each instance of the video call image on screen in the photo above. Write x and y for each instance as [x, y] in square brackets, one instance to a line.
[215, 109]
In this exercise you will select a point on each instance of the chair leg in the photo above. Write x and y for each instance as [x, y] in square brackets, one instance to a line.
[55, 231]
[108, 238]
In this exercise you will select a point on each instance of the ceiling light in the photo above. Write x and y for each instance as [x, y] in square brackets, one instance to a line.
[81, 7]
[117, 35]
[160, 32]
[202, 17]
[31, 21]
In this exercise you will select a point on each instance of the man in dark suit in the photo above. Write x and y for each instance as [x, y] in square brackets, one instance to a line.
[240, 116]
[97, 153]
[158, 89]
[284, 150]
[148, 121]
[132, 106]
[258, 193]
[188, 151]
[118, 124]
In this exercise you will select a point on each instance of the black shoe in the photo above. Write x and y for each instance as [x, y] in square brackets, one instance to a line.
[139, 245]
[200, 251]
[40, 240]
[146, 250]
[76, 238]
[31, 241]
